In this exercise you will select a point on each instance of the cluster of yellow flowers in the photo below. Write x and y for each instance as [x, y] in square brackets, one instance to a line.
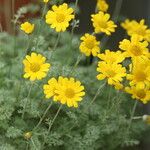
[133, 78]
[64, 90]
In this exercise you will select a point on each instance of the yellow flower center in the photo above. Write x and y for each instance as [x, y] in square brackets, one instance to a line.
[141, 31]
[140, 76]
[110, 73]
[60, 17]
[102, 24]
[141, 94]
[89, 43]
[135, 50]
[35, 67]
[69, 93]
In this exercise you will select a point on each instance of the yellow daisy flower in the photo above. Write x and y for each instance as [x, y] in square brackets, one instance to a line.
[114, 73]
[135, 48]
[101, 23]
[146, 118]
[140, 73]
[59, 17]
[27, 27]
[35, 67]
[89, 45]
[69, 91]
[137, 28]
[112, 57]
[49, 89]
[102, 5]
[45, 1]
[142, 94]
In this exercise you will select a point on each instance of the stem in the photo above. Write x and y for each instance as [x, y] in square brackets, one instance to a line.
[50, 126]
[54, 119]
[97, 93]
[76, 63]
[49, 106]
[34, 144]
[27, 100]
[115, 16]
[39, 23]
[57, 41]
[132, 115]
[117, 10]
[73, 27]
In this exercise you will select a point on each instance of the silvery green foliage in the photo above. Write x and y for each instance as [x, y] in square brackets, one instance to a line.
[102, 126]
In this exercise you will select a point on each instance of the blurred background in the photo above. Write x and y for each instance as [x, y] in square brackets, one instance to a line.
[132, 9]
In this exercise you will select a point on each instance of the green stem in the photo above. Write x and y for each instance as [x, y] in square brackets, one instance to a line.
[115, 16]
[97, 93]
[27, 99]
[76, 64]
[54, 119]
[49, 106]
[51, 124]
[34, 144]
[132, 115]
[57, 41]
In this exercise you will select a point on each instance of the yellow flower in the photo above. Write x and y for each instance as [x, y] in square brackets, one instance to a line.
[35, 67]
[45, 1]
[27, 135]
[112, 57]
[140, 73]
[137, 28]
[27, 27]
[146, 118]
[102, 5]
[142, 94]
[101, 23]
[49, 89]
[135, 48]
[69, 91]
[89, 45]
[114, 73]
[59, 17]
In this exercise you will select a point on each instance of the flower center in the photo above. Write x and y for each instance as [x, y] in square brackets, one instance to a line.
[89, 44]
[103, 24]
[135, 50]
[35, 67]
[111, 73]
[60, 17]
[140, 31]
[69, 93]
[141, 94]
[140, 76]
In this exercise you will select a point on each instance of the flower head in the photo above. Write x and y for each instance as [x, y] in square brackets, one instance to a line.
[101, 23]
[114, 73]
[142, 94]
[27, 27]
[112, 57]
[49, 89]
[69, 91]
[135, 48]
[59, 17]
[140, 73]
[137, 28]
[27, 135]
[45, 1]
[89, 45]
[102, 5]
[146, 119]
[35, 67]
